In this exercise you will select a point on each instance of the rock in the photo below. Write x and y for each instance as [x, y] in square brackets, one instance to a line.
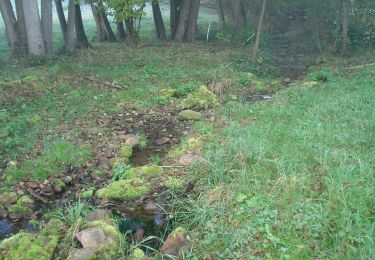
[32, 185]
[25, 201]
[18, 211]
[189, 115]
[98, 214]
[189, 159]
[200, 99]
[162, 141]
[176, 241]
[20, 192]
[82, 254]
[132, 188]
[151, 206]
[58, 185]
[68, 180]
[8, 198]
[126, 151]
[11, 165]
[95, 238]
[3, 213]
[132, 140]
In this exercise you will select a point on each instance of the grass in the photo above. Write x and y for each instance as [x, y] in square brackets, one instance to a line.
[290, 178]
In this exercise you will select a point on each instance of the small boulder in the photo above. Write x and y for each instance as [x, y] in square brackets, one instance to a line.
[132, 140]
[189, 159]
[189, 115]
[175, 242]
[162, 141]
[95, 238]
[8, 198]
[82, 254]
[98, 214]
[133, 188]
[151, 206]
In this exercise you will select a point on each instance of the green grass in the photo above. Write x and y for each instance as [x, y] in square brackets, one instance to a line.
[290, 178]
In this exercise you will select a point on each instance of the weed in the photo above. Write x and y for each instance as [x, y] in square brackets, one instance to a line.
[71, 212]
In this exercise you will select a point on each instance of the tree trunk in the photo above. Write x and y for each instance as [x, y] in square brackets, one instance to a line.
[191, 27]
[132, 34]
[80, 29]
[70, 27]
[259, 29]
[21, 26]
[121, 34]
[345, 22]
[239, 14]
[11, 27]
[61, 16]
[174, 16]
[46, 20]
[220, 13]
[35, 39]
[183, 20]
[158, 21]
[107, 27]
[99, 23]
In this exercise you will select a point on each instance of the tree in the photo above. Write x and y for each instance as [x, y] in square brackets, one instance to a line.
[220, 13]
[120, 31]
[345, 23]
[102, 24]
[259, 29]
[70, 27]
[80, 29]
[11, 28]
[46, 20]
[239, 14]
[174, 16]
[187, 22]
[61, 16]
[35, 39]
[158, 21]
[21, 27]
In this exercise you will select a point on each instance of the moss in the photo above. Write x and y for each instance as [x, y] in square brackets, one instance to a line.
[105, 226]
[115, 162]
[144, 171]
[8, 198]
[187, 145]
[54, 227]
[25, 201]
[132, 188]
[189, 115]
[176, 232]
[200, 99]
[87, 193]
[28, 246]
[137, 254]
[59, 183]
[126, 151]
[168, 93]
[174, 183]
[258, 85]
[19, 210]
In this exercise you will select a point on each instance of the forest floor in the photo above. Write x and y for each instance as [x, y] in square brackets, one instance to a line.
[278, 175]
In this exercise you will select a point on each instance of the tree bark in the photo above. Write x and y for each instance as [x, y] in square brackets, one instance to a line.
[99, 23]
[70, 46]
[132, 34]
[61, 16]
[11, 28]
[107, 27]
[220, 13]
[158, 21]
[174, 16]
[345, 22]
[259, 29]
[192, 21]
[239, 14]
[35, 39]
[80, 29]
[183, 20]
[46, 20]
[121, 34]
[21, 26]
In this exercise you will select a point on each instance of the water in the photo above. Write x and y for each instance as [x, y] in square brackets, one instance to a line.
[6, 229]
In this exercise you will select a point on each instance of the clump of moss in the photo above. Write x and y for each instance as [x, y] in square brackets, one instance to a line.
[200, 99]
[126, 151]
[168, 93]
[59, 183]
[8, 198]
[132, 188]
[25, 201]
[19, 210]
[144, 171]
[87, 193]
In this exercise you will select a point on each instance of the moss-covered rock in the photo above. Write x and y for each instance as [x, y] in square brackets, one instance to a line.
[189, 115]
[144, 171]
[87, 193]
[25, 201]
[132, 188]
[168, 93]
[137, 254]
[104, 224]
[126, 151]
[8, 198]
[200, 99]
[19, 211]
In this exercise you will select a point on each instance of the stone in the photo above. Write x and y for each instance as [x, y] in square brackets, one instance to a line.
[98, 214]
[82, 254]
[200, 99]
[132, 140]
[175, 242]
[95, 238]
[132, 188]
[25, 201]
[126, 151]
[151, 206]
[189, 159]
[58, 185]
[8, 198]
[189, 115]
[162, 141]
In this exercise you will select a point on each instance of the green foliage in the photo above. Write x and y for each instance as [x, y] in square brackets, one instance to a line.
[321, 75]
[118, 173]
[72, 212]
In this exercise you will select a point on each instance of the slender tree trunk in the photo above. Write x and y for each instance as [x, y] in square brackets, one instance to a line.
[174, 16]
[107, 27]
[259, 30]
[46, 20]
[158, 21]
[192, 21]
[70, 27]
[61, 16]
[121, 34]
[35, 39]
[239, 14]
[345, 22]
[317, 36]
[183, 20]
[21, 26]
[132, 34]
[220, 13]
[80, 29]
[99, 23]
[11, 28]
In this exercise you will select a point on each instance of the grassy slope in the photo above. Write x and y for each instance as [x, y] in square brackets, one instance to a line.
[292, 177]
